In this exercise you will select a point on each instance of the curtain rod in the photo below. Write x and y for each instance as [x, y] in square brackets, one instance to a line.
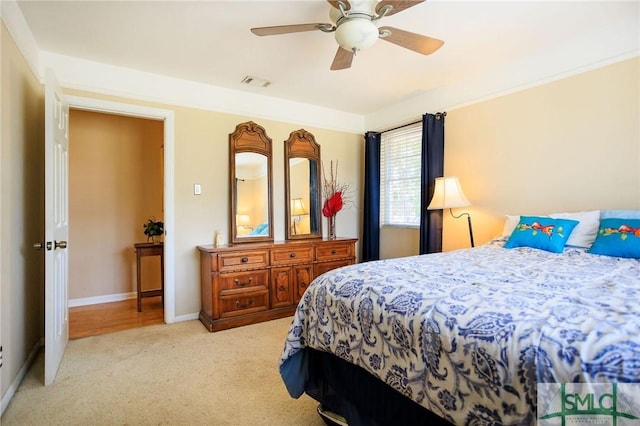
[438, 114]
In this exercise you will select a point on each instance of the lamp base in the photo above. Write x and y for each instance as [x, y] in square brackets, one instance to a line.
[468, 221]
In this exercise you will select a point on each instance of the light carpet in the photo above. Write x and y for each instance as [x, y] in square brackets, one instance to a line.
[177, 374]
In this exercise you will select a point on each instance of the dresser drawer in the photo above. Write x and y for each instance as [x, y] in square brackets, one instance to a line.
[290, 255]
[234, 283]
[334, 251]
[246, 303]
[250, 259]
[321, 268]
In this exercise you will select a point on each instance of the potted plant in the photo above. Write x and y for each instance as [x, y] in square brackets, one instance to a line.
[153, 229]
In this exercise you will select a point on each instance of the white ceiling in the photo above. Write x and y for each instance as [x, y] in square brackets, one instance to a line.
[210, 42]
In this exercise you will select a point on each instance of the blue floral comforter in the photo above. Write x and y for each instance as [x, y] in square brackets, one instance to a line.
[468, 334]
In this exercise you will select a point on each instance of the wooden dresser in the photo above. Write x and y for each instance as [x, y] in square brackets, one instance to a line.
[243, 284]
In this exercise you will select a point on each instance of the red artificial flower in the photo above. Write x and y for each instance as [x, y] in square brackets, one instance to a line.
[333, 205]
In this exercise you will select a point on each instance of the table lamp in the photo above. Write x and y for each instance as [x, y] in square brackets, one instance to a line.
[297, 209]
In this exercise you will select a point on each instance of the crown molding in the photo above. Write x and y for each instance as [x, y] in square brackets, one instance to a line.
[106, 79]
[603, 46]
[13, 19]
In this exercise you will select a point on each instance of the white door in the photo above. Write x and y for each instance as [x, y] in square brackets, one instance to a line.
[56, 312]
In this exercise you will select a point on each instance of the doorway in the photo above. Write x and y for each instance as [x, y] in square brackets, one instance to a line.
[115, 186]
[153, 177]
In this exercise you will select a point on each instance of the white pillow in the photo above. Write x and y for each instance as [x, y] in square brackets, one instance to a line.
[510, 224]
[583, 234]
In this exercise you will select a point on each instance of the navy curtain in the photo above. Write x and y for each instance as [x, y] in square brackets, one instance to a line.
[371, 219]
[432, 167]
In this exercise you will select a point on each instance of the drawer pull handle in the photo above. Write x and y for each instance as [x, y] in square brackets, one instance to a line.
[244, 259]
[333, 251]
[282, 288]
[244, 305]
[243, 283]
[292, 255]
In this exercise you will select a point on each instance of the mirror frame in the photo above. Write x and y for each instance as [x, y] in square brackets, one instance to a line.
[252, 138]
[302, 144]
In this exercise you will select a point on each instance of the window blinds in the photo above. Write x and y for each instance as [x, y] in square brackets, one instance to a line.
[400, 176]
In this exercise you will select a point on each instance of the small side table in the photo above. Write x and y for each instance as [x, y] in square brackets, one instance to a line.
[149, 249]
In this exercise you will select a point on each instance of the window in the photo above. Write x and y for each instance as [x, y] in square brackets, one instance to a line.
[400, 176]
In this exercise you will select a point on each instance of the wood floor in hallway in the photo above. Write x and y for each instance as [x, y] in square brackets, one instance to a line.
[105, 318]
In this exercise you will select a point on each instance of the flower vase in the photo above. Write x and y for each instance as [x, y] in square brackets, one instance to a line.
[332, 227]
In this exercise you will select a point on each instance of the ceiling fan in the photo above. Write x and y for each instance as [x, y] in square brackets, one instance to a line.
[354, 24]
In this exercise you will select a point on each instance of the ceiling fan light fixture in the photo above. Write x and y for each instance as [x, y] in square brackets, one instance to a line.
[356, 34]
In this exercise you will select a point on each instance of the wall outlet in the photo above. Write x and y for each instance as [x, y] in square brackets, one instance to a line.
[197, 190]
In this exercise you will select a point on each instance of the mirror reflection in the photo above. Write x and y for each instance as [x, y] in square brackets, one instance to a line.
[302, 184]
[252, 189]
[251, 211]
[302, 173]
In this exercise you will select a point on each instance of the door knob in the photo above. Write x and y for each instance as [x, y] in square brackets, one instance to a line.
[40, 246]
[60, 244]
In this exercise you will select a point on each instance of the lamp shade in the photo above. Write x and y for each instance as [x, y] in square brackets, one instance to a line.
[448, 194]
[243, 220]
[297, 207]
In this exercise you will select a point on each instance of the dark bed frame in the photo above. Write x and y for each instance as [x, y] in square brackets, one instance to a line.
[359, 397]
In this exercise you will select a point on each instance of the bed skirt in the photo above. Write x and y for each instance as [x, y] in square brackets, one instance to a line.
[351, 392]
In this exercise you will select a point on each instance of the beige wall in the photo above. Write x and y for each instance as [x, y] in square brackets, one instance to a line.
[570, 145]
[398, 242]
[201, 156]
[115, 185]
[22, 211]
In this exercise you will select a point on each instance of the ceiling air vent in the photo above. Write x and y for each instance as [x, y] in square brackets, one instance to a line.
[254, 81]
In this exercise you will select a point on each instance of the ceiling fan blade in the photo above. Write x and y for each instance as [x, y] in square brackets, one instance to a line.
[412, 41]
[286, 29]
[398, 5]
[346, 4]
[342, 60]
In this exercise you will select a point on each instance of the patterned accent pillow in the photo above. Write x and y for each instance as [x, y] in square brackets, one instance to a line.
[618, 237]
[620, 214]
[544, 233]
[582, 236]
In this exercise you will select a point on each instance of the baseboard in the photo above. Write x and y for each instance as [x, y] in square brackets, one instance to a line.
[187, 317]
[101, 299]
[8, 395]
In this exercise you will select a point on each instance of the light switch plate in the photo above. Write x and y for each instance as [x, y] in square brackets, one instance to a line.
[197, 190]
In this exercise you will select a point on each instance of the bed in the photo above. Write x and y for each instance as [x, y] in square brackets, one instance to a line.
[464, 337]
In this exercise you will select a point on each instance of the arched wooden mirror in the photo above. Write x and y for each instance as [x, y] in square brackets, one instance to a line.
[250, 184]
[302, 186]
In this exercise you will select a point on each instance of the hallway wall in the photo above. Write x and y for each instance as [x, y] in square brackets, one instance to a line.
[115, 185]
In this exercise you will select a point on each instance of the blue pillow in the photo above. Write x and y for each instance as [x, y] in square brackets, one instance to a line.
[618, 237]
[262, 229]
[620, 214]
[544, 233]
